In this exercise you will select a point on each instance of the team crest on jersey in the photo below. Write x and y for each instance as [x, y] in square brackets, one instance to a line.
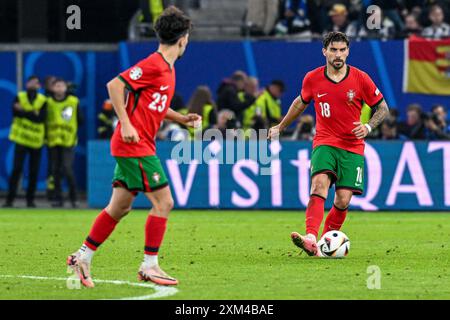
[351, 95]
[156, 177]
[136, 73]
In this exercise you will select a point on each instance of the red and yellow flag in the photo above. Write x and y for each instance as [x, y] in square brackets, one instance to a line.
[427, 66]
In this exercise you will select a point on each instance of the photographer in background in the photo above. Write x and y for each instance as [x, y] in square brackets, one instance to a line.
[414, 127]
[436, 123]
[107, 120]
[226, 119]
[389, 130]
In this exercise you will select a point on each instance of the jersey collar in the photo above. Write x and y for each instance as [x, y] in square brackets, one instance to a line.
[168, 64]
[345, 77]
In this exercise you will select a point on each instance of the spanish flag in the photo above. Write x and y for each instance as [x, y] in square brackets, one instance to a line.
[427, 66]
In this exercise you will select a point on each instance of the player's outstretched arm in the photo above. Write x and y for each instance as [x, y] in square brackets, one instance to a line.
[188, 120]
[296, 109]
[382, 111]
[116, 90]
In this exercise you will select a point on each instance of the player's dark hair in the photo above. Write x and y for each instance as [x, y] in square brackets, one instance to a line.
[171, 25]
[335, 36]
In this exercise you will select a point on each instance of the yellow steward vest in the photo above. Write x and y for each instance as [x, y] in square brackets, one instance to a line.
[24, 131]
[62, 124]
[265, 103]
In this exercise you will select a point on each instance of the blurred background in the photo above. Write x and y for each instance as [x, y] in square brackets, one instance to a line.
[242, 70]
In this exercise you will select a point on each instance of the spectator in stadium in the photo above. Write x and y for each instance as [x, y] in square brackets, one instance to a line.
[414, 127]
[261, 16]
[177, 104]
[48, 84]
[438, 29]
[63, 119]
[393, 115]
[231, 95]
[267, 108]
[412, 26]
[305, 129]
[294, 17]
[320, 9]
[202, 103]
[340, 21]
[389, 130]
[385, 31]
[108, 120]
[391, 9]
[437, 125]
[226, 120]
[27, 132]
[252, 87]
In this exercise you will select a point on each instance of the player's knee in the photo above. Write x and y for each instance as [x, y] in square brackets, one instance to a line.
[319, 187]
[118, 211]
[168, 205]
[342, 202]
[164, 207]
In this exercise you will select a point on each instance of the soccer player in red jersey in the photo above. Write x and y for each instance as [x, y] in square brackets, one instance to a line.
[339, 92]
[150, 85]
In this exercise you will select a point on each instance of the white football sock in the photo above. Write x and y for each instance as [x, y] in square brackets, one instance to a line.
[86, 253]
[150, 261]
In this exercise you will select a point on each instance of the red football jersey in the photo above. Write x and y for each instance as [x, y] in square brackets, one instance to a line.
[151, 86]
[338, 105]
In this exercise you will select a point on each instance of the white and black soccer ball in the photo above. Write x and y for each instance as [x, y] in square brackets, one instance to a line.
[334, 244]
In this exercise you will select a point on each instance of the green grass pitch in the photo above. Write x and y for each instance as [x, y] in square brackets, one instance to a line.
[230, 255]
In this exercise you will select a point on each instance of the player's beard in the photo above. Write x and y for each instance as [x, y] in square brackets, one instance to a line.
[338, 67]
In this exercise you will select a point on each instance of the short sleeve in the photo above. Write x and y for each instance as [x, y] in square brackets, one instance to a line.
[137, 77]
[371, 94]
[306, 93]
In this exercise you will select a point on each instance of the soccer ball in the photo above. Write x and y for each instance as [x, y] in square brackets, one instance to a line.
[334, 244]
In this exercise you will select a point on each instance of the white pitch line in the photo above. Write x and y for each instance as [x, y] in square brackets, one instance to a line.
[160, 291]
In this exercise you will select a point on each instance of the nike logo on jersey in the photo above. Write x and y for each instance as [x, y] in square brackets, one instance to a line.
[321, 95]
[164, 88]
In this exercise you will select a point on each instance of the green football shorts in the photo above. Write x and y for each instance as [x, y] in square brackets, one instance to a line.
[345, 168]
[143, 174]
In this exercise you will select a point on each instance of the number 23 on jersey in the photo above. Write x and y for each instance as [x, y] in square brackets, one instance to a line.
[159, 102]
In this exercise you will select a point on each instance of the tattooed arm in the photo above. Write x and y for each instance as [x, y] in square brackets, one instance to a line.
[382, 111]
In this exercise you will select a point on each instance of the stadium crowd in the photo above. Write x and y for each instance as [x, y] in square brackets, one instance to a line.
[242, 104]
[387, 19]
